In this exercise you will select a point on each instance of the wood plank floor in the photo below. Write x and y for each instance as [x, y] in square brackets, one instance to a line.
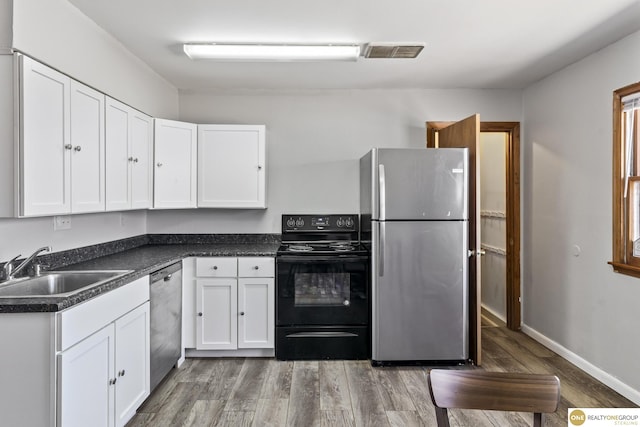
[267, 392]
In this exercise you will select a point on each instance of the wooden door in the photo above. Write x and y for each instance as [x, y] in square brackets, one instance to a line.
[466, 134]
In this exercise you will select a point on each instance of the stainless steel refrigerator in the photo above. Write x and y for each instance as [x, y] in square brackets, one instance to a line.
[414, 213]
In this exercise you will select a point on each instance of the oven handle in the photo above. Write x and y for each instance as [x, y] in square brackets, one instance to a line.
[320, 259]
[321, 335]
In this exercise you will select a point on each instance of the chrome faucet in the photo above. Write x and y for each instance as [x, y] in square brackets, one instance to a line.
[9, 272]
[7, 269]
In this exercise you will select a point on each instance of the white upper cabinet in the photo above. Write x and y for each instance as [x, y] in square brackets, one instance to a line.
[175, 163]
[61, 143]
[87, 154]
[129, 135]
[45, 142]
[231, 166]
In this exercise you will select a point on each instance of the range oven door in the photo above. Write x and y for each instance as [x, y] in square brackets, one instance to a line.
[322, 290]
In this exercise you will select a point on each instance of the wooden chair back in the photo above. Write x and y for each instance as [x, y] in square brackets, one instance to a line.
[493, 391]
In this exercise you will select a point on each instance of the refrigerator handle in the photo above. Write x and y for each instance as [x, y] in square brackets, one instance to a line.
[382, 194]
[381, 249]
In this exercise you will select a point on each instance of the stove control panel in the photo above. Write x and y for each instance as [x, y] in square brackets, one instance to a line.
[323, 223]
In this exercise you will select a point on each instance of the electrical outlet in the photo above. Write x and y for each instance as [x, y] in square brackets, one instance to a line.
[62, 222]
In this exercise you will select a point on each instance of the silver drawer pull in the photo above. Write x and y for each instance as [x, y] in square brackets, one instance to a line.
[215, 267]
[256, 267]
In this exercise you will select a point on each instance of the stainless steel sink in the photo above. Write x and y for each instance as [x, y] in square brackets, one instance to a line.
[57, 283]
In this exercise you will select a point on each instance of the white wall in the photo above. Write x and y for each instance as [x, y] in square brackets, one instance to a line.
[577, 303]
[314, 143]
[493, 196]
[6, 35]
[56, 33]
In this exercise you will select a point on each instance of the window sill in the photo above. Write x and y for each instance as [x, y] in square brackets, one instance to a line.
[627, 269]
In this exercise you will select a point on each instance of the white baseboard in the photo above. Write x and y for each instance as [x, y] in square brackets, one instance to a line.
[602, 376]
[494, 313]
[246, 352]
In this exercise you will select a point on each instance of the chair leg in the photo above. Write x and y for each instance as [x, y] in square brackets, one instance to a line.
[537, 419]
[442, 417]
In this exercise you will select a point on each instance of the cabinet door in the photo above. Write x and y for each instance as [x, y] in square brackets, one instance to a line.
[217, 323]
[132, 362]
[256, 321]
[231, 166]
[117, 155]
[85, 381]
[45, 150]
[140, 145]
[87, 155]
[176, 153]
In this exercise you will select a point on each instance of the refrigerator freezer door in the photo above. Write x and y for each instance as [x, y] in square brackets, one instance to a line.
[421, 184]
[420, 296]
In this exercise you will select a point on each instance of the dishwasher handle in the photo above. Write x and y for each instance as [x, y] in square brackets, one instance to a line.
[166, 273]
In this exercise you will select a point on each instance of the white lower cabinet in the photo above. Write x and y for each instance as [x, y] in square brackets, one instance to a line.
[256, 306]
[216, 304]
[234, 301]
[86, 395]
[104, 378]
[87, 365]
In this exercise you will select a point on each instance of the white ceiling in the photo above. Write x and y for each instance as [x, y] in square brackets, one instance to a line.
[469, 43]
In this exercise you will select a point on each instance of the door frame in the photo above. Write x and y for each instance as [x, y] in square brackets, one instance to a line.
[512, 130]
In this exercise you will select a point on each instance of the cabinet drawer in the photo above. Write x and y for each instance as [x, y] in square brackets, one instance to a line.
[82, 320]
[217, 267]
[255, 267]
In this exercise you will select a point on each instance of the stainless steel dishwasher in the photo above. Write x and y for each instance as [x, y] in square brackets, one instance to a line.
[166, 320]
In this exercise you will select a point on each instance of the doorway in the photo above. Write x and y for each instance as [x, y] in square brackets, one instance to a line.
[511, 131]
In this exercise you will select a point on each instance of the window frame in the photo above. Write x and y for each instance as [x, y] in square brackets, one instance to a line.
[622, 262]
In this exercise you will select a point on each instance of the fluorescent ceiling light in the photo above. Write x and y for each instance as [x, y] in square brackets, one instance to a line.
[271, 52]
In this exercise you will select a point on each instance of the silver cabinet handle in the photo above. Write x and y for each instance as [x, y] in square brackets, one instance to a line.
[383, 193]
[259, 167]
[130, 159]
[255, 267]
[242, 313]
[167, 277]
[68, 147]
[215, 267]
[77, 148]
[159, 164]
[200, 314]
[135, 160]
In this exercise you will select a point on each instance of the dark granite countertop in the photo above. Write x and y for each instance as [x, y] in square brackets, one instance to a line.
[150, 256]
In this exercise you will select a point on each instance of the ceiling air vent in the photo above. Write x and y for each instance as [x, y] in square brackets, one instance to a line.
[393, 50]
